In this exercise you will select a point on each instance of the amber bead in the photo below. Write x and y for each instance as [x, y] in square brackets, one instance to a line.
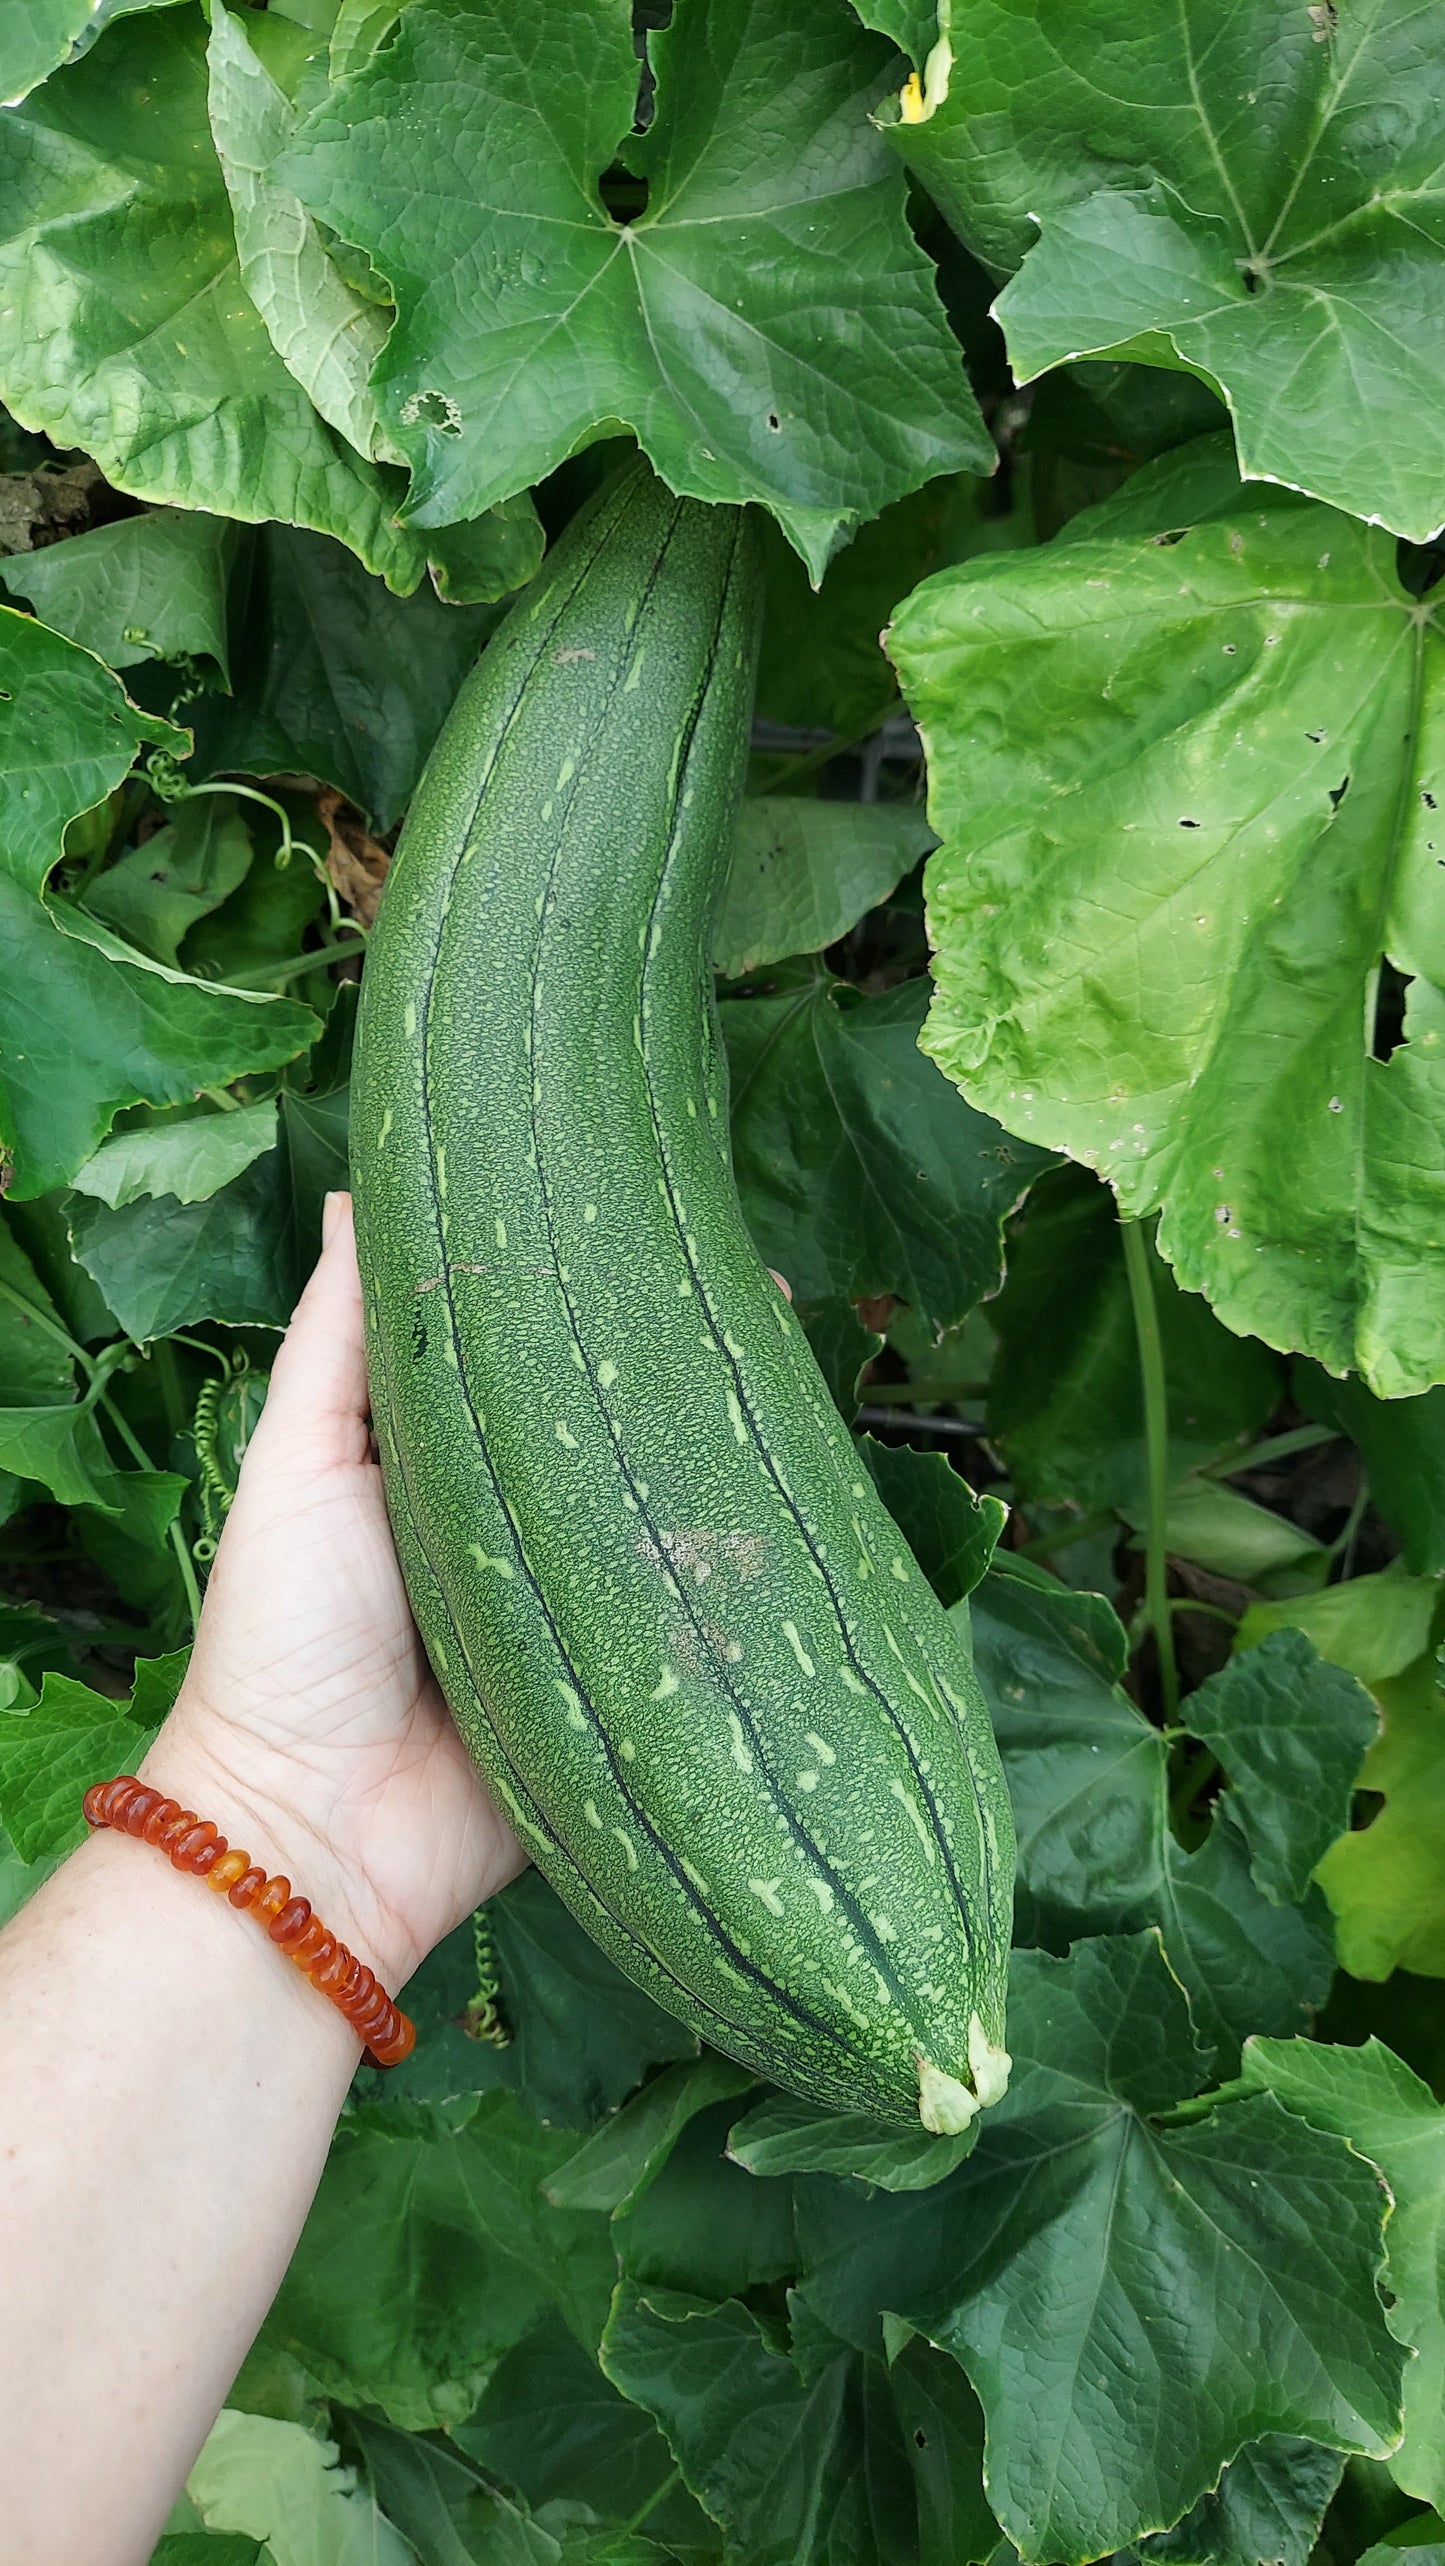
[315, 1944]
[391, 2048]
[139, 1808]
[249, 1886]
[174, 1828]
[228, 1869]
[115, 1796]
[288, 1927]
[375, 2025]
[159, 1819]
[330, 1973]
[198, 1847]
[358, 1990]
[268, 1902]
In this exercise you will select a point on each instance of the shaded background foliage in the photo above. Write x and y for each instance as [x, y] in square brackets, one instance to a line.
[988, 320]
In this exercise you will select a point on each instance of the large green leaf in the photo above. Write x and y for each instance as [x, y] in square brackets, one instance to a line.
[785, 2135]
[619, 2162]
[952, 1533]
[1189, 792]
[1386, 1879]
[89, 1024]
[85, 1035]
[804, 872]
[35, 1365]
[189, 1157]
[820, 666]
[38, 34]
[1269, 2503]
[237, 1251]
[326, 334]
[1232, 185]
[426, 2253]
[1367, 2096]
[860, 1172]
[264, 2475]
[1088, 1778]
[129, 331]
[49, 1756]
[702, 2224]
[552, 2425]
[335, 677]
[1290, 1729]
[61, 1449]
[800, 2471]
[766, 323]
[68, 734]
[148, 587]
[156, 893]
[1133, 2302]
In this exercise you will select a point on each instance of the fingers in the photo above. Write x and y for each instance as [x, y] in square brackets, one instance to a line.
[781, 1280]
[318, 1396]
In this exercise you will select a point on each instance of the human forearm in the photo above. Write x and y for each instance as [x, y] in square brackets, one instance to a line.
[169, 2090]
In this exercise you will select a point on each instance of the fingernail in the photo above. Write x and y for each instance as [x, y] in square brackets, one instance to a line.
[330, 1216]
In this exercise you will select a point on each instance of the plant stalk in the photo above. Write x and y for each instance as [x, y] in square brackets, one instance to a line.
[1156, 1446]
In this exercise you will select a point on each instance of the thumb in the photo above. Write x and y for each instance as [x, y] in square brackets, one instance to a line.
[317, 1406]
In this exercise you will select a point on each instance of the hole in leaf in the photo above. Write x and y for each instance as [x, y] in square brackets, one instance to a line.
[1429, 801]
[920, 2441]
[1367, 1807]
[1176, 534]
[433, 410]
[774, 421]
[1252, 280]
[1190, 824]
[1338, 791]
[1316, 736]
[623, 194]
[1389, 1026]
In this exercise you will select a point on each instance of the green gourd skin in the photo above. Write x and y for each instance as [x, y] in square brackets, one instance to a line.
[689, 1650]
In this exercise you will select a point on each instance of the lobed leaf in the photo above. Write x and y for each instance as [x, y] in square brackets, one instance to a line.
[1276, 228]
[1290, 1730]
[1064, 2265]
[1186, 778]
[765, 323]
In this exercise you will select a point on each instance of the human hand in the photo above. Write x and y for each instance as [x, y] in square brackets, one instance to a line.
[309, 1725]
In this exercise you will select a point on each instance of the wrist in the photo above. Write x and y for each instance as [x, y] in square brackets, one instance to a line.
[209, 1767]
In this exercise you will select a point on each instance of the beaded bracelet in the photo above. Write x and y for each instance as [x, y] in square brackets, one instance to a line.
[193, 1844]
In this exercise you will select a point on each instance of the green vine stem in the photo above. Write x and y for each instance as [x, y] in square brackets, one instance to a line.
[1156, 1444]
[276, 975]
[658, 2495]
[170, 785]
